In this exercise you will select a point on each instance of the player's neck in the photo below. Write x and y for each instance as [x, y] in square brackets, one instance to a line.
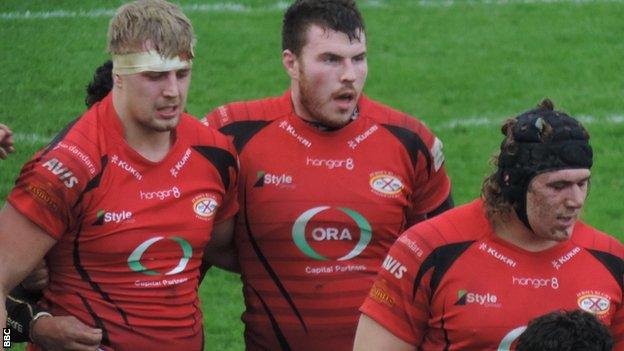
[300, 111]
[509, 228]
[153, 145]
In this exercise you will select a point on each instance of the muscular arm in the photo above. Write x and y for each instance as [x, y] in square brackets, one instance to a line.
[370, 335]
[22, 245]
[220, 250]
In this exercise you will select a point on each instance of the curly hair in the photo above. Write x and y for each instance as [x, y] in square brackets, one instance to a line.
[101, 84]
[565, 331]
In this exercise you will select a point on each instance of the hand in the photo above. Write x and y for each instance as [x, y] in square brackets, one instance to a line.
[64, 333]
[6, 141]
[38, 278]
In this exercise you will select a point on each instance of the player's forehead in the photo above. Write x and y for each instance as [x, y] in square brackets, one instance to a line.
[573, 175]
[323, 39]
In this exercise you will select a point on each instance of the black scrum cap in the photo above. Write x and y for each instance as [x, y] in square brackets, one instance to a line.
[539, 141]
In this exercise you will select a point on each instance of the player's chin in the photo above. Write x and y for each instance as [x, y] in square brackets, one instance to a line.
[562, 234]
[337, 119]
[166, 125]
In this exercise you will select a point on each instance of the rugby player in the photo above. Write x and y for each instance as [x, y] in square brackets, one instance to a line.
[329, 179]
[128, 199]
[471, 278]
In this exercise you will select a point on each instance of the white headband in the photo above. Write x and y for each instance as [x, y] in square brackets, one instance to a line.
[147, 61]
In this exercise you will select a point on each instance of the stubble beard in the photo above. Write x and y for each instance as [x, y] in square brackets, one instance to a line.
[313, 107]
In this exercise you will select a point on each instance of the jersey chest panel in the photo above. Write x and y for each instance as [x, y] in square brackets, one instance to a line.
[146, 224]
[492, 303]
[318, 199]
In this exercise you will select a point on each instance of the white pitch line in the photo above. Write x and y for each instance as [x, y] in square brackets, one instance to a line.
[31, 138]
[491, 121]
[229, 7]
[473, 122]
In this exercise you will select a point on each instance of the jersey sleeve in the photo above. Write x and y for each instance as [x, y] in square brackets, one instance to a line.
[229, 206]
[399, 297]
[50, 185]
[432, 184]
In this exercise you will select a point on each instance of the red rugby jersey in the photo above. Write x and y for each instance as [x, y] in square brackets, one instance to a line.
[450, 283]
[130, 232]
[319, 210]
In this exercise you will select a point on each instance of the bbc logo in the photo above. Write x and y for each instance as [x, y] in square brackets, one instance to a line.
[6, 338]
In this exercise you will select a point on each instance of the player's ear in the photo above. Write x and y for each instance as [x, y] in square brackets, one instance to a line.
[117, 80]
[291, 64]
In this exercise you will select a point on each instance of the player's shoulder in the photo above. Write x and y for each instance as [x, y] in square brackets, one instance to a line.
[197, 133]
[389, 116]
[74, 157]
[260, 110]
[463, 224]
[81, 138]
[593, 239]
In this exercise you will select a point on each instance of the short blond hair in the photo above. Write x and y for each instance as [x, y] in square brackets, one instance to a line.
[161, 24]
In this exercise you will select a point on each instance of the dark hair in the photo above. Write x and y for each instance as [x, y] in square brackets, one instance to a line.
[339, 15]
[101, 84]
[565, 331]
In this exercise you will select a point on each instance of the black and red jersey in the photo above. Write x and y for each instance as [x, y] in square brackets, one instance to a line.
[130, 232]
[319, 210]
[451, 283]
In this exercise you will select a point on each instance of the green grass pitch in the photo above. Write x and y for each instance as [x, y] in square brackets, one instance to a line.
[460, 66]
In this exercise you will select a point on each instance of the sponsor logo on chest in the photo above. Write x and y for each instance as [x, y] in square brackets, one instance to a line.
[330, 164]
[180, 164]
[280, 180]
[353, 143]
[485, 299]
[126, 167]
[173, 192]
[104, 217]
[63, 173]
[328, 233]
[565, 258]
[497, 255]
[288, 128]
[144, 260]
[536, 283]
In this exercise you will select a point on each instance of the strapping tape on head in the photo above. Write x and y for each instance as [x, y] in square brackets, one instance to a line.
[532, 152]
[147, 61]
